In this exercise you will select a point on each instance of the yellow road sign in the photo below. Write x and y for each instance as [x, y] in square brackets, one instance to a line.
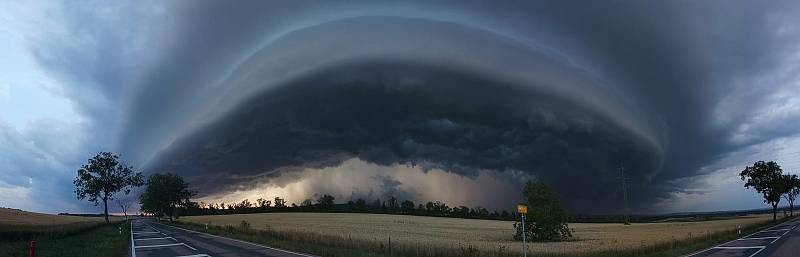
[521, 208]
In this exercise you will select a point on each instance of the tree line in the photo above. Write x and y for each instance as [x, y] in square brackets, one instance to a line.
[327, 203]
[105, 176]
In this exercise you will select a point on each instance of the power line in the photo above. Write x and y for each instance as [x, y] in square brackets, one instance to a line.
[624, 181]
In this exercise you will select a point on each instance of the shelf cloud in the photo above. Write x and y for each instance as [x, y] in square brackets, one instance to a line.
[241, 97]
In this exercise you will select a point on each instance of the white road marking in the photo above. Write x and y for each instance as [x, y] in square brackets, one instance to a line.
[190, 247]
[164, 245]
[155, 238]
[133, 244]
[240, 241]
[740, 247]
[774, 230]
[752, 247]
[139, 233]
[759, 238]
[784, 233]
[759, 250]
[195, 255]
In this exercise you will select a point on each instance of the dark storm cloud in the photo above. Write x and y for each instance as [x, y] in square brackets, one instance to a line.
[653, 75]
[443, 119]
[565, 91]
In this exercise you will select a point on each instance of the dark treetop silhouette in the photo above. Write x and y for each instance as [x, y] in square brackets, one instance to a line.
[103, 177]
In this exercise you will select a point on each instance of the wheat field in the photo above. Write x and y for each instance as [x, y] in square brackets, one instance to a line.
[485, 235]
[14, 217]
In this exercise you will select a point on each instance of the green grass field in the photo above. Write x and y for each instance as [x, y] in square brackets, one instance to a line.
[102, 241]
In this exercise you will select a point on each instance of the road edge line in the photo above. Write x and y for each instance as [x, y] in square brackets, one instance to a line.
[133, 244]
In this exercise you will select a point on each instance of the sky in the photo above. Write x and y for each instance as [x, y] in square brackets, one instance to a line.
[460, 102]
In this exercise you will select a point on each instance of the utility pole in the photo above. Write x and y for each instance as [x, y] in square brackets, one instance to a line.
[624, 181]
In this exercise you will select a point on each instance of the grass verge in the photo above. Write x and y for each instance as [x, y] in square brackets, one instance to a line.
[337, 246]
[99, 241]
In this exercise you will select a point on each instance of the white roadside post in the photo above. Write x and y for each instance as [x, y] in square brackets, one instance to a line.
[522, 210]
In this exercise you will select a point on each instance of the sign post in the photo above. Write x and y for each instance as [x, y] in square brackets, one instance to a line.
[522, 210]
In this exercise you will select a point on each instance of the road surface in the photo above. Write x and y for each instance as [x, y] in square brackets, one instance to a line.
[152, 239]
[782, 240]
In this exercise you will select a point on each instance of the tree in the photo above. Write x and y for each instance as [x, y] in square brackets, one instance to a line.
[765, 178]
[791, 187]
[547, 217]
[164, 194]
[306, 202]
[124, 204]
[393, 206]
[326, 202]
[263, 203]
[407, 206]
[360, 205]
[279, 202]
[103, 177]
[245, 204]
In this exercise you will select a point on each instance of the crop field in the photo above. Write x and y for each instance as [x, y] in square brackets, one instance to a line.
[17, 217]
[17, 225]
[485, 235]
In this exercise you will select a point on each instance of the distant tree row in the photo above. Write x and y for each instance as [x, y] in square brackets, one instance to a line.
[327, 203]
[168, 195]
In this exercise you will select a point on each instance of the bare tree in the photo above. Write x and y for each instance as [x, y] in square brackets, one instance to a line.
[124, 205]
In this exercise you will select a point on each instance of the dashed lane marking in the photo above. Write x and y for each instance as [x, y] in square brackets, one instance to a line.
[139, 233]
[164, 245]
[155, 238]
[759, 238]
[775, 230]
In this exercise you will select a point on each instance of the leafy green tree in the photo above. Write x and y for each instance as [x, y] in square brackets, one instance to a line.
[547, 218]
[103, 177]
[164, 194]
[791, 187]
[766, 178]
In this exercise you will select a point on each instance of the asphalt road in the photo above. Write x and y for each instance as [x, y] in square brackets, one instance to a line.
[782, 240]
[152, 239]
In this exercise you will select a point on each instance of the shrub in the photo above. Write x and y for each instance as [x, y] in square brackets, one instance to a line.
[546, 219]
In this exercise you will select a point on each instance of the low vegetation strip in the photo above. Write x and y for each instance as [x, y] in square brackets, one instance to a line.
[346, 234]
[99, 241]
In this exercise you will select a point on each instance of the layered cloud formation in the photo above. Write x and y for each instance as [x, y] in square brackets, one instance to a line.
[238, 97]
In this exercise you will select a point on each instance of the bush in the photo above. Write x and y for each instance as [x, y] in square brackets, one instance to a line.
[546, 219]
